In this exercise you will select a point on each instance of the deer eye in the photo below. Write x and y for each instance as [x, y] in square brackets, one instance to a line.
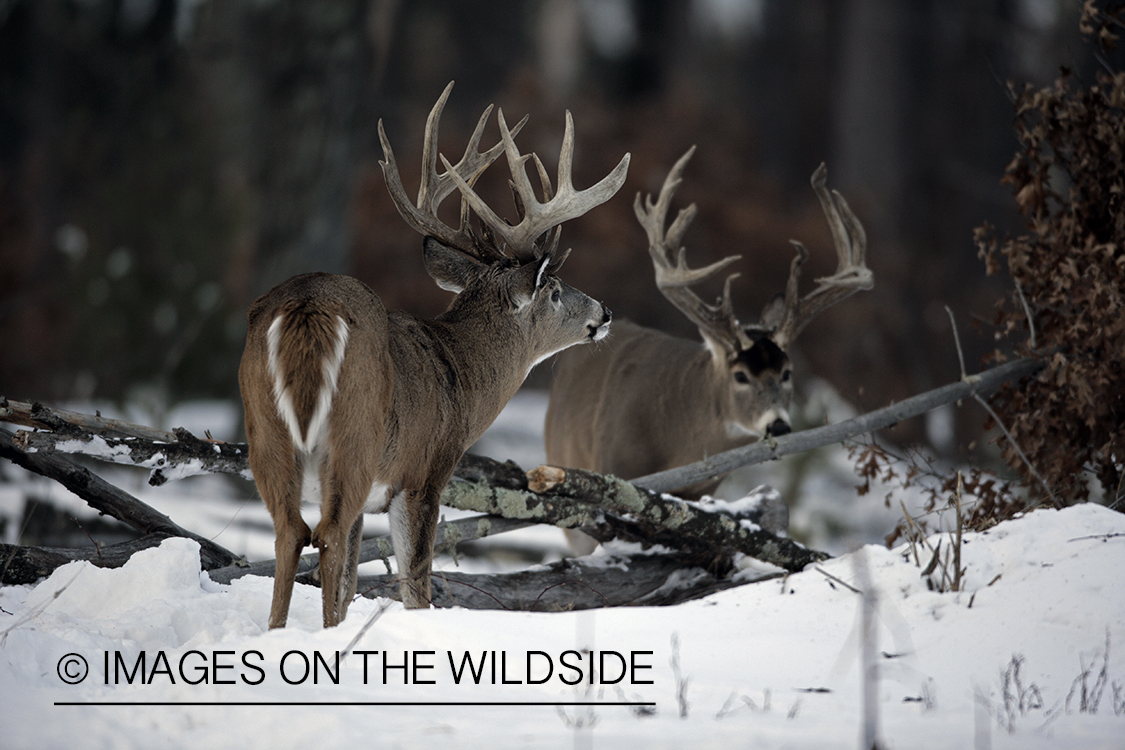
[785, 376]
[555, 295]
[741, 377]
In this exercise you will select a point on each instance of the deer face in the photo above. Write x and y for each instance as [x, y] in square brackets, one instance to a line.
[759, 388]
[529, 301]
[554, 314]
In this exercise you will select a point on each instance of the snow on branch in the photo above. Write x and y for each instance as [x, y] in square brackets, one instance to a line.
[103, 497]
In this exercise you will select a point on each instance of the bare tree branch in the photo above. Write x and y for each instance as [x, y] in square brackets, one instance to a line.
[104, 497]
[638, 580]
[185, 456]
[75, 423]
[181, 447]
[798, 442]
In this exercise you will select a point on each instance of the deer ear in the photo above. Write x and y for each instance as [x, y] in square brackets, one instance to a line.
[525, 282]
[450, 268]
[719, 347]
[545, 266]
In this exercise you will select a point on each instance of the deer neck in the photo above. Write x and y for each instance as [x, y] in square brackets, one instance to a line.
[491, 355]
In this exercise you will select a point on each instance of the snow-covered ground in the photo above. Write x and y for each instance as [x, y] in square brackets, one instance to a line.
[1010, 662]
[1028, 655]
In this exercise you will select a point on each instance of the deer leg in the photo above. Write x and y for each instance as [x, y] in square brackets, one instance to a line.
[344, 496]
[348, 585]
[291, 536]
[414, 515]
[331, 537]
[281, 491]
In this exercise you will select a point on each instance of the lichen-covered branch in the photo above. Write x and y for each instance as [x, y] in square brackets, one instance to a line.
[583, 498]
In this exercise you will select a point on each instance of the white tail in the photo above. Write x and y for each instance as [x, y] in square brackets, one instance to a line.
[361, 409]
[647, 401]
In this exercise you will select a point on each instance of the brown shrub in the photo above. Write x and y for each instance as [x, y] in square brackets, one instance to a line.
[1069, 272]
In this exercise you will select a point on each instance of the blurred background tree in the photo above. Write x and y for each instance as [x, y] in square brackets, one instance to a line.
[162, 162]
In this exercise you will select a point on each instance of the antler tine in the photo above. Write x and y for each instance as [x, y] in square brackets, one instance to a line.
[852, 273]
[426, 224]
[544, 178]
[434, 188]
[673, 277]
[653, 215]
[472, 163]
[429, 151]
[538, 217]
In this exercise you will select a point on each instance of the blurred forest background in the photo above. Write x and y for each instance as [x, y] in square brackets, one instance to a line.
[163, 162]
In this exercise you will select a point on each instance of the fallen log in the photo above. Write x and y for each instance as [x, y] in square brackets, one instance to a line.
[583, 583]
[108, 499]
[74, 433]
[23, 564]
[580, 498]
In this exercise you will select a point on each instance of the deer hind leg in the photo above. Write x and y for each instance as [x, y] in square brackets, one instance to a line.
[338, 536]
[291, 536]
[277, 478]
[345, 494]
[331, 537]
[414, 515]
[351, 565]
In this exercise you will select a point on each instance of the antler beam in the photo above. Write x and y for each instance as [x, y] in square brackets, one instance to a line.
[539, 217]
[673, 276]
[852, 273]
[434, 188]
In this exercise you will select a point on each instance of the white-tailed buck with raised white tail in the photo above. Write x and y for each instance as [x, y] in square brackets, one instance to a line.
[646, 401]
[364, 410]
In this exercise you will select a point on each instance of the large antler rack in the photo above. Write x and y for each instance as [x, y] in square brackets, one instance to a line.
[852, 273]
[498, 238]
[673, 276]
[433, 187]
[537, 218]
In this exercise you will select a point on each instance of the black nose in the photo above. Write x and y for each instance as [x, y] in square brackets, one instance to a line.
[777, 428]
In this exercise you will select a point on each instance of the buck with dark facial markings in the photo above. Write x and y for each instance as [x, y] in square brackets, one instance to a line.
[646, 401]
[365, 410]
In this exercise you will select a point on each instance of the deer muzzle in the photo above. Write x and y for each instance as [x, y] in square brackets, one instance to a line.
[777, 428]
[598, 331]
